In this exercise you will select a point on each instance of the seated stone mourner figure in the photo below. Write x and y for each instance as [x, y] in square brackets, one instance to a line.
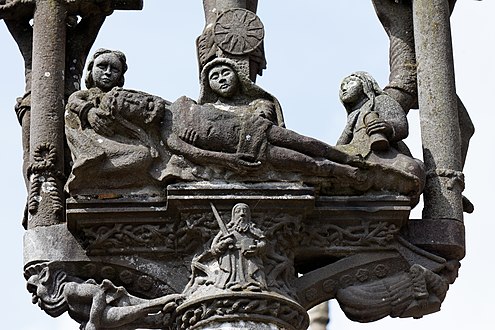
[113, 133]
[376, 125]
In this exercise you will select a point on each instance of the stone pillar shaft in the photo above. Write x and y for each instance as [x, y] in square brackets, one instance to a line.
[438, 110]
[319, 316]
[212, 7]
[47, 109]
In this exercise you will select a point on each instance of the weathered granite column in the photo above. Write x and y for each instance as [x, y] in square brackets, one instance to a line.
[228, 4]
[45, 203]
[212, 7]
[438, 110]
[319, 316]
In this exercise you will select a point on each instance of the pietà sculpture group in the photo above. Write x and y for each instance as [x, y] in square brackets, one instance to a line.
[210, 214]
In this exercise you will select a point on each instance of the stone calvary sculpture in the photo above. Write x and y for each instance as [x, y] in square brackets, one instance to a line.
[235, 128]
[200, 214]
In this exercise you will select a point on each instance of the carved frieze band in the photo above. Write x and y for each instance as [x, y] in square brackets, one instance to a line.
[367, 234]
[249, 307]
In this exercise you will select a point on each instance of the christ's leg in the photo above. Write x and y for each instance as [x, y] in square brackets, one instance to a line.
[294, 161]
[290, 140]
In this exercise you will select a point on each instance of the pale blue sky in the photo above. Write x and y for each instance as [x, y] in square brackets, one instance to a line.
[310, 46]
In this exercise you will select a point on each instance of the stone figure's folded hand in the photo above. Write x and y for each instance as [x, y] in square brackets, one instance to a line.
[100, 121]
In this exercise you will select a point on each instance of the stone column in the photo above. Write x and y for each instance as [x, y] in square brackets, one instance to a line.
[45, 203]
[212, 7]
[438, 110]
[228, 4]
[319, 317]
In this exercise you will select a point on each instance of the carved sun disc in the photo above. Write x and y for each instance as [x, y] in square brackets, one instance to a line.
[238, 31]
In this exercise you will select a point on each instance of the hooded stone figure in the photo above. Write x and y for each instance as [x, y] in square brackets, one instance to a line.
[249, 92]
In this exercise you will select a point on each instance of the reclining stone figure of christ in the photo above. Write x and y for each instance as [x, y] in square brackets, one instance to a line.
[238, 125]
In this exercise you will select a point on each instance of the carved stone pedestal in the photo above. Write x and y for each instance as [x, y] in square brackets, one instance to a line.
[241, 311]
[241, 326]
[225, 256]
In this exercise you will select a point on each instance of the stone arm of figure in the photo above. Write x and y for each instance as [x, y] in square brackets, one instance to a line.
[238, 162]
[391, 120]
[80, 104]
[265, 109]
[379, 126]
[101, 121]
[256, 249]
[90, 114]
[77, 293]
[221, 244]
